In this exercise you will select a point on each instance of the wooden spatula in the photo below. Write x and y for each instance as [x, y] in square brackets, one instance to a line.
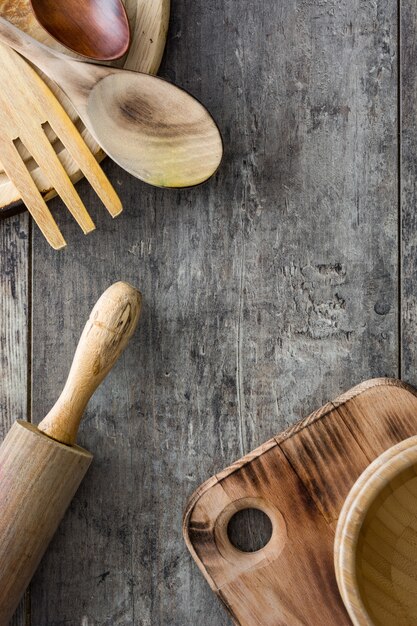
[27, 106]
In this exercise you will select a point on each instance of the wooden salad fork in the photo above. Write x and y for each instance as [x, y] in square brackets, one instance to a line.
[27, 106]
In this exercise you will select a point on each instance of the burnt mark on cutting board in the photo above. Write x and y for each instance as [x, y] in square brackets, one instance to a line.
[394, 429]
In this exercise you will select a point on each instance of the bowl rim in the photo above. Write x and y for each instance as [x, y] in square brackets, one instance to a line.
[370, 483]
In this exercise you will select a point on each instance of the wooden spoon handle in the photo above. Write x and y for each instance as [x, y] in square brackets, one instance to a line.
[105, 336]
[25, 44]
[75, 77]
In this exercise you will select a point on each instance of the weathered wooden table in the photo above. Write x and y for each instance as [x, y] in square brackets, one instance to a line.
[285, 280]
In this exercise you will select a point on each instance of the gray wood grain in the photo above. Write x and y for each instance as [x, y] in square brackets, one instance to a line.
[408, 301]
[14, 334]
[267, 291]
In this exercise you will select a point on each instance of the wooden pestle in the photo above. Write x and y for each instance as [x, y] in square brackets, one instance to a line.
[40, 467]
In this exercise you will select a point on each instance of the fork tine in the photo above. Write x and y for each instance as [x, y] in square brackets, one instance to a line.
[17, 172]
[40, 147]
[82, 155]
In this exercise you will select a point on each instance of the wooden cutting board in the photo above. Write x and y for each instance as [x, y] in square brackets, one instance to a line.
[300, 479]
[149, 25]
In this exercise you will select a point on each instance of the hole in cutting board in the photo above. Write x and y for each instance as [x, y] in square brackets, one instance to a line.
[249, 530]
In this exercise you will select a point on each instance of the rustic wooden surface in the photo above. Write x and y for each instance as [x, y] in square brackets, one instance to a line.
[300, 479]
[267, 291]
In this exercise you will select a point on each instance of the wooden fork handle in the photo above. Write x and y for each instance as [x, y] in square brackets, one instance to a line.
[105, 336]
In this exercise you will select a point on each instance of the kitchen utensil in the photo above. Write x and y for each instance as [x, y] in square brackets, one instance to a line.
[26, 106]
[376, 546]
[300, 479]
[151, 128]
[40, 467]
[149, 24]
[97, 30]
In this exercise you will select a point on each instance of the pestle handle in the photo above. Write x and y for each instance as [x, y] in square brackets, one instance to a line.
[106, 334]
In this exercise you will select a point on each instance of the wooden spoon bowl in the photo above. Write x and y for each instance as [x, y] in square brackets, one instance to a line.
[95, 29]
[153, 129]
[376, 541]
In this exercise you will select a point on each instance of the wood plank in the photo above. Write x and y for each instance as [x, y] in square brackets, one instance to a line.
[266, 291]
[408, 190]
[14, 344]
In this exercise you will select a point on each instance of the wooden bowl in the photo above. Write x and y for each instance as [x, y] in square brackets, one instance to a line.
[376, 541]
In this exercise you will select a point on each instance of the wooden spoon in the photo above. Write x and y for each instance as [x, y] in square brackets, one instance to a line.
[151, 128]
[97, 30]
